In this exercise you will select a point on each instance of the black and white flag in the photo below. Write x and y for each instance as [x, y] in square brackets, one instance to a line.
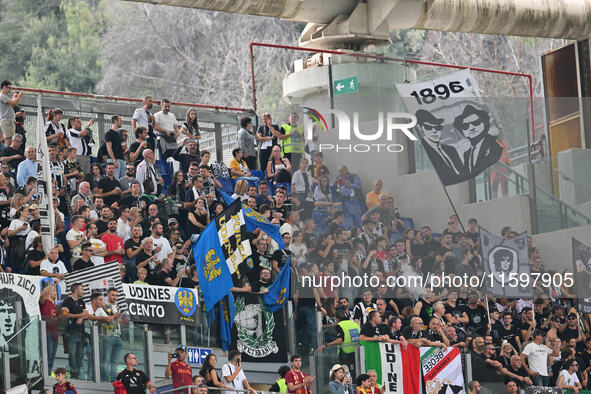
[234, 240]
[44, 184]
[454, 124]
[582, 271]
[98, 279]
[505, 263]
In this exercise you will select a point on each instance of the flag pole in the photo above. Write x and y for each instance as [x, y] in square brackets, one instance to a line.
[451, 203]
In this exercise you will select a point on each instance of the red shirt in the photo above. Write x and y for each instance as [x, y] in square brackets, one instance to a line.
[62, 388]
[297, 378]
[113, 242]
[181, 374]
[50, 311]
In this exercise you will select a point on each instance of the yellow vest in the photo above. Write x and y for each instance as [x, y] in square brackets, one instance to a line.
[282, 385]
[351, 339]
[295, 146]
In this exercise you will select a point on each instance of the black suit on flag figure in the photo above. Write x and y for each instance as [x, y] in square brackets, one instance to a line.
[445, 158]
[484, 150]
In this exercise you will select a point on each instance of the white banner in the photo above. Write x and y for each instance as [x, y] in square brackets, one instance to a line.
[19, 299]
[44, 184]
[442, 370]
[391, 368]
[455, 126]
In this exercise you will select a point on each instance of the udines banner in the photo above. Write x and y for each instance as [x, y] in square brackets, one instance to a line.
[161, 304]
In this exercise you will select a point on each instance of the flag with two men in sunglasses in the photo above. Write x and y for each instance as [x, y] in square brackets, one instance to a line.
[454, 124]
[506, 265]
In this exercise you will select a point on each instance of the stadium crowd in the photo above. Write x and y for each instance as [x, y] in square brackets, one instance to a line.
[116, 202]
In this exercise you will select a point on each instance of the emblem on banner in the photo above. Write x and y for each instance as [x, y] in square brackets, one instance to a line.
[255, 326]
[185, 302]
[502, 260]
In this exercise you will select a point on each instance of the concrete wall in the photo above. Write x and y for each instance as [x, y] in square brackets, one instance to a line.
[494, 215]
[575, 163]
[556, 247]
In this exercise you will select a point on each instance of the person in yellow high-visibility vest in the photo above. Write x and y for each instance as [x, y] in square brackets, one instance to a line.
[347, 340]
[291, 139]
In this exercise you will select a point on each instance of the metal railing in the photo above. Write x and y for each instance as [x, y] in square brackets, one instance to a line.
[183, 388]
[567, 178]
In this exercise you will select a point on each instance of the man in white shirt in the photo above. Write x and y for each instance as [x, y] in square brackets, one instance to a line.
[53, 267]
[167, 130]
[76, 236]
[147, 170]
[539, 356]
[99, 248]
[233, 373]
[161, 245]
[123, 228]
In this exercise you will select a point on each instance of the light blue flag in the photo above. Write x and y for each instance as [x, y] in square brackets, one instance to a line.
[278, 293]
[215, 279]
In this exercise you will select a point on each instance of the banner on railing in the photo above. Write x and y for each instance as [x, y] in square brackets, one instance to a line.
[442, 370]
[582, 270]
[397, 368]
[98, 279]
[547, 390]
[454, 124]
[258, 333]
[19, 297]
[161, 304]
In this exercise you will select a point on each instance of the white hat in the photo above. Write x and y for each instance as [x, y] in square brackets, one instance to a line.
[335, 368]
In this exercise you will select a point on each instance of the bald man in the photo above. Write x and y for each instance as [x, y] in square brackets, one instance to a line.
[27, 167]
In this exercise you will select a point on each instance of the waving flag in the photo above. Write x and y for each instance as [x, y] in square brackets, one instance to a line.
[215, 278]
[255, 220]
[279, 289]
[226, 319]
[44, 188]
[233, 238]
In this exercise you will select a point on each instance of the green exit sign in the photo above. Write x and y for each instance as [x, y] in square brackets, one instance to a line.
[344, 86]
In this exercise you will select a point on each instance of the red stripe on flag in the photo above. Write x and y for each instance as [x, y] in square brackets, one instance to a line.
[442, 364]
[411, 369]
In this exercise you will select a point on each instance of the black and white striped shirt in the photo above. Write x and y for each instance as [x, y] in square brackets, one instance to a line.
[80, 143]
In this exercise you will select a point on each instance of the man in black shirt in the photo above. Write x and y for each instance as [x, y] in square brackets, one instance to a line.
[281, 208]
[414, 333]
[133, 199]
[516, 373]
[280, 256]
[477, 320]
[76, 313]
[134, 380]
[373, 330]
[508, 332]
[103, 222]
[571, 329]
[84, 261]
[109, 187]
[434, 334]
[191, 155]
[14, 153]
[114, 146]
[35, 257]
[261, 285]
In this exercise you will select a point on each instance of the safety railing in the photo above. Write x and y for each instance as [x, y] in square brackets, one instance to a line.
[21, 360]
[216, 389]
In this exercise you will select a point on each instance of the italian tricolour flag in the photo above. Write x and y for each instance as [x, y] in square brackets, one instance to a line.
[398, 369]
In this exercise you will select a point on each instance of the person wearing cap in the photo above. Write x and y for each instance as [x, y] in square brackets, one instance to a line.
[572, 329]
[179, 370]
[554, 329]
[339, 382]
[538, 357]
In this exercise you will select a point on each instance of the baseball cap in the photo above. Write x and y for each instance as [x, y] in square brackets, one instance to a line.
[33, 206]
[172, 221]
[181, 347]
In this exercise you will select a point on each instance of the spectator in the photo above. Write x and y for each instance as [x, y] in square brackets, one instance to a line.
[53, 267]
[339, 382]
[99, 248]
[147, 171]
[209, 374]
[76, 236]
[362, 309]
[14, 154]
[7, 115]
[298, 382]
[126, 181]
[28, 167]
[50, 314]
[373, 330]
[474, 387]
[538, 356]
[167, 130]
[278, 168]
[246, 142]
[134, 380]
[82, 140]
[317, 169]
[238, 167]
[76, 312]
[363, 384]
[191, 128]
[62, 386]
[136, 149]
[114, 243]
[233, 373]
[179, 370]
[85, 259]
[114, 146]
[568, 379]
[515, 372]
[191, 155]
[110, 335]
[143, 118]
[162, 246]
[280, 386]
[371, 198]
[266, 139]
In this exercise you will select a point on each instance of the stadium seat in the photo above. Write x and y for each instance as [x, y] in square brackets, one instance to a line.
[227, 185]
[258, 173]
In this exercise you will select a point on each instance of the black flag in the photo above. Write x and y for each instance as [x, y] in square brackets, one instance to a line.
[582, 274]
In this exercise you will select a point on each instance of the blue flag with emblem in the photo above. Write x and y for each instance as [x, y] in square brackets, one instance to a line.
[276, 297]
[215, 279]
[226, 319]
[254, 220]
